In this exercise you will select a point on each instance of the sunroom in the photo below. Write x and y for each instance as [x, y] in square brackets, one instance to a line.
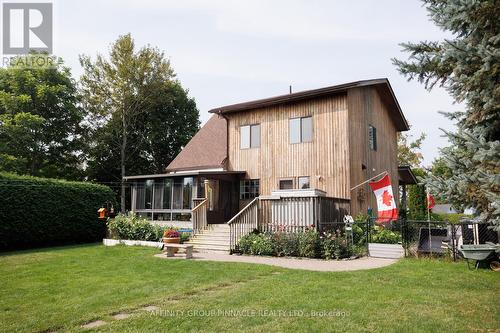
[168, 198]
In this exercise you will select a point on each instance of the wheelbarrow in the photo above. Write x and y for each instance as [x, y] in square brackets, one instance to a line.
[482, 254]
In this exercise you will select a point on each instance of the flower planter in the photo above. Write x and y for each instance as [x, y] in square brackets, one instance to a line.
[391, 251]
[172, 240]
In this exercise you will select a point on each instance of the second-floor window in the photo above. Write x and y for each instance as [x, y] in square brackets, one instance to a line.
[250, 136]
[372, 137]
[301, 129]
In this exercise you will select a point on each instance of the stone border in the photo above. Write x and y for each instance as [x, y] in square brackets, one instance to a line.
[113, 242]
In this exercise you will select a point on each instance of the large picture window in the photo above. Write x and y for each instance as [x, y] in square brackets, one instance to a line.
[250, 136]
[300, 129]
[249, 188]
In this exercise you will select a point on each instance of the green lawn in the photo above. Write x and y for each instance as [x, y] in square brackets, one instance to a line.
[62, 288]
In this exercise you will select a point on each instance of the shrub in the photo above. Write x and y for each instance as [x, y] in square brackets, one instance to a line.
[286, 244]
[334, 246]
[257, 244]
[386, 236]
[308, 243]
[38, 212]
[134, 227]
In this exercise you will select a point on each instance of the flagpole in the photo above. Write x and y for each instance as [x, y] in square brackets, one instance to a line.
[366, 181]
[429, 222]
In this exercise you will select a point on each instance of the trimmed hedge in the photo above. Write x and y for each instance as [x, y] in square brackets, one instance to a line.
[37, 212]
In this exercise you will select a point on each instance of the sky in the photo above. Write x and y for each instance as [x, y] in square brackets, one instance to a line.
[226, 52]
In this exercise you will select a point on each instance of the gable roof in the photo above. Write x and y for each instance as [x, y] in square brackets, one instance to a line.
[206, 150]
[382, 85]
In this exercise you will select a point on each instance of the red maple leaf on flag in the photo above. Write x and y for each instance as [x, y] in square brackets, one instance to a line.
[386, 198]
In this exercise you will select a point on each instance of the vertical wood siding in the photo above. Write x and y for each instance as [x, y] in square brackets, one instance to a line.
[325, 160]
[366, 108]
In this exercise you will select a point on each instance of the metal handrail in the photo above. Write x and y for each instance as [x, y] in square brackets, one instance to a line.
[242, 211]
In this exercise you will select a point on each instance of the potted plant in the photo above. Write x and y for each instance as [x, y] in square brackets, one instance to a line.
[171, 236]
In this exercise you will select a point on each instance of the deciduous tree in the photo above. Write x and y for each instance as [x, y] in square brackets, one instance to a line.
[140, 115]
[40, 121]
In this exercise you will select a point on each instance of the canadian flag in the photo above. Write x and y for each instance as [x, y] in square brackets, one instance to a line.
[386, 205]
[430, 201]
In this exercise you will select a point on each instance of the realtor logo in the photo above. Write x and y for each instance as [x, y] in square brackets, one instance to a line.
[26, 27]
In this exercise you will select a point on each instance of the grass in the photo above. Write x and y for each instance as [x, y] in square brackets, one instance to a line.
[63, 288]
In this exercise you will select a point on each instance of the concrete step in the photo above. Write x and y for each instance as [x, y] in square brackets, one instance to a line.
[218, 227]
[215, 233]
[209, 242]
[211, 237]
[195, 250]
[210, 247]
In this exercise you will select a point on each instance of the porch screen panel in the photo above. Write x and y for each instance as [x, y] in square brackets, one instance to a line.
[177, 194]
[148, 194]
[167, 194]
[158, 195]
[187, 193]
[140, 197]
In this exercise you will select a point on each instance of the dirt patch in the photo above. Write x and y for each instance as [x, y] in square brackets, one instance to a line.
[150, 308]
[94, 324]
[120, 316]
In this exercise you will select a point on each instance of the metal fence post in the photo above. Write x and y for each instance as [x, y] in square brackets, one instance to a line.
[367, 233]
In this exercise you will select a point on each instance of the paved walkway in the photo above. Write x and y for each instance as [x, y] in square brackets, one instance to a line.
[293, 263]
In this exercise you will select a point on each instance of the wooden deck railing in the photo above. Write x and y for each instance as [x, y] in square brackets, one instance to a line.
[199, 215]
[243, 223]
[295, 214]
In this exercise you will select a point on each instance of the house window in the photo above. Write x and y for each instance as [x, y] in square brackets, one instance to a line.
[304, 182]
[372, 137]
[286, 184]
[301, 129]
[249, 188]
[250, 136]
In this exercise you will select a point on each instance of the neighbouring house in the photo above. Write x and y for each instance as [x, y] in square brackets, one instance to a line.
[299, 154]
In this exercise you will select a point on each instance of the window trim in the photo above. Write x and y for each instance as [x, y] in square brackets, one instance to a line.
[250, 135]
[298, 182]
[301, 140]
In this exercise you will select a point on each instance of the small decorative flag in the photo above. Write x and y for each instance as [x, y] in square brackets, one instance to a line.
[430, 201]
[386, 204]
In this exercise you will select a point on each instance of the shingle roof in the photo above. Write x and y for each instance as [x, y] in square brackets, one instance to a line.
[207, 149]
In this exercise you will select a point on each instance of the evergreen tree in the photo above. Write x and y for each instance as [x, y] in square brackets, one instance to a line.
[468, 67]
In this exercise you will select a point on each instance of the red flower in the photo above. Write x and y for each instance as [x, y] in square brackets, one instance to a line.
[170, 233]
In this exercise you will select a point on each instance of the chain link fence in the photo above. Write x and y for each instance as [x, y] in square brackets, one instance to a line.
[417, 238]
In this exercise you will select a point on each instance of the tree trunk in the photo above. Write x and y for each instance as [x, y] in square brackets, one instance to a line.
[122, 156]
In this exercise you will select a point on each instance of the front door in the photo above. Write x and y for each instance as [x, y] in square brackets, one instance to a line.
[220, 198]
